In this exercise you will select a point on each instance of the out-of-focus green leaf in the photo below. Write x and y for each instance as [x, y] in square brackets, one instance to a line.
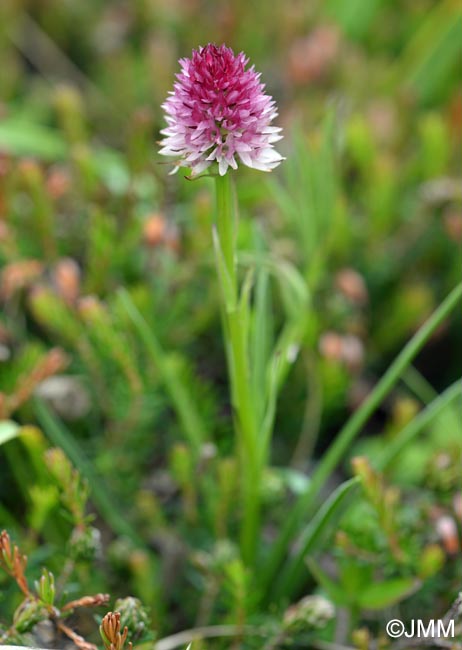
[335, 592]
[354, 16]
[294, 291]
[193, 426]
[314, 535]
[60, 436]
[350, 431]
[433, 52]
[307, 195]
[436, 408]
[23, 138]
[8, 431]
[261, 334]
[385, 594]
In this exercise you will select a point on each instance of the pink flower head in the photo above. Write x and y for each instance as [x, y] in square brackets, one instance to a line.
[218, 111]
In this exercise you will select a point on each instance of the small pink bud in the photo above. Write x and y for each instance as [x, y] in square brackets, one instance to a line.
[447, 530]
[330, 346]
[457, 501]
[66, 278]
[351, 284]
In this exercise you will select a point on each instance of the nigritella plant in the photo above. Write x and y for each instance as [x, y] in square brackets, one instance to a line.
[219, 117]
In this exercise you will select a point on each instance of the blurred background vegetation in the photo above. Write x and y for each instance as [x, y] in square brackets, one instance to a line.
[361, 230]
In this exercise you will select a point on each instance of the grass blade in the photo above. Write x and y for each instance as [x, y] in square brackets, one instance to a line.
[306, 502]
[314, 536]
[409, 432]
[185, 407]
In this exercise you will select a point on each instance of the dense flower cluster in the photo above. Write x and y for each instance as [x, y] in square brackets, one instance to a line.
[219, 112]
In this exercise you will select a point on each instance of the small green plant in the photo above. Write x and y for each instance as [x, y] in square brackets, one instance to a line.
[39, 603]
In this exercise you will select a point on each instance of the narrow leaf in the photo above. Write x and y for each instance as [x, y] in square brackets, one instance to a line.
[332, 589]
[182, 400]
[314, 536]
[336, 452]
[415, 426]
[385, 594]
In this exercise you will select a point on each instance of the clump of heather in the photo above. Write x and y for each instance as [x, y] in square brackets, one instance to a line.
[219, 113]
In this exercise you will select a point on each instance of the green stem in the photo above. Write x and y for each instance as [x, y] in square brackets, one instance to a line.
[339, 448]
[226, 226]
[235, 332]
[417, 383]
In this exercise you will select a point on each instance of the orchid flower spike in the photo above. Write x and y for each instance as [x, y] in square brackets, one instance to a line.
[218, 113]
